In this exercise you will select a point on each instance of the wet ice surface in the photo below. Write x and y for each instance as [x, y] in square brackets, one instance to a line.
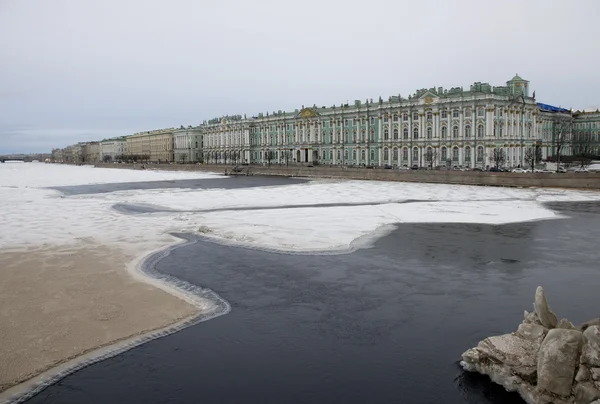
[212, 182]
[380, 325]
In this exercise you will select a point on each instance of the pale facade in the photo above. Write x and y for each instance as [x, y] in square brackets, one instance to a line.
[112, 149]
[187, 144]
[434, 127]
[586, 128]
[155, 146]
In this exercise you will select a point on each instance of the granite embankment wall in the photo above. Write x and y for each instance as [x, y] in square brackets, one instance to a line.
[568, 180]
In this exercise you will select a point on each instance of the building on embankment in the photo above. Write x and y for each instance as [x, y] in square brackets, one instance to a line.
[155, 146]
[187, 145]
[433, 127]
[113, 149]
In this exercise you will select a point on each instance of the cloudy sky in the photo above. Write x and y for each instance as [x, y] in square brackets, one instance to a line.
[76, 70]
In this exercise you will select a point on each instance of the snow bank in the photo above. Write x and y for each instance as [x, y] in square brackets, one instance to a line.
[54, 175]
[35, 215]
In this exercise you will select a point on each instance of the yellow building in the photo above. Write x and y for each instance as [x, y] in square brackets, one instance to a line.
[154, 145]
[92, 152]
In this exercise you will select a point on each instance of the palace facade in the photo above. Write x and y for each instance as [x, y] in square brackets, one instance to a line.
[433, 127]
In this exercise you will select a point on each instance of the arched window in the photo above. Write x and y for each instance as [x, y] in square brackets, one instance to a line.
[467, 131]
[372, 155]
[395, 154]
[480, 153]
[415, 133]
[480, 131]
[444, 156]
[429, 116]
[405, 154]
[339, 155]
[454, 132]
[386, 154]
[455, 153]
[429, 132]
[405, 133]
[444, 132]
[395, 133]
[415, 155]
[386, 134]
[467, 153]
[363, 154]
[353, 155]
[345, 154]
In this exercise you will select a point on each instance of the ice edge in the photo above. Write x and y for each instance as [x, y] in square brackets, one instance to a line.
[210, 304]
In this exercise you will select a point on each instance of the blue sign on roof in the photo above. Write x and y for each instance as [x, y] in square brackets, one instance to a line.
[551, 108]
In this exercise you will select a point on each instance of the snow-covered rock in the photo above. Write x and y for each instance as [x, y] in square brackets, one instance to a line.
[558, 358]
[544, 361]
[590, 354]
[542, 309]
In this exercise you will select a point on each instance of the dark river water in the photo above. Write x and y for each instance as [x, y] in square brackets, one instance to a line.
[380, 325]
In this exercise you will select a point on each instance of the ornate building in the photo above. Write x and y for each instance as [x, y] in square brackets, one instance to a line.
[433, 127]
[187, 144]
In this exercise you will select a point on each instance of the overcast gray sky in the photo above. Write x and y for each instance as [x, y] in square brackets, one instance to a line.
[76, 70]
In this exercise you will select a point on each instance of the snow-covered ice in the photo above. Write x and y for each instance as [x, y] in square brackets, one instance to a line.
[34, 215]
[34, 175]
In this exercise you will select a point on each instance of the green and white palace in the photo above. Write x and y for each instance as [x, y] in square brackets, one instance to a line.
[433, 127]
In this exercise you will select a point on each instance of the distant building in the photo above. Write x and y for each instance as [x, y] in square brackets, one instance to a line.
[91, 152]
[155, 146]
[187, 143]
[112, 149]
[586, 132]
[57, 156]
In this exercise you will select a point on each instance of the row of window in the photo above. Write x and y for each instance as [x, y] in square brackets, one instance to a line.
[395, 118]
[430, 154]
[280, 139]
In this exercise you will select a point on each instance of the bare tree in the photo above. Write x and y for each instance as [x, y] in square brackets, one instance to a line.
[582, 148]
[269, 157]
[182, 156]
[431, 157]
[533, 155]
[563, 129]
[498, 157]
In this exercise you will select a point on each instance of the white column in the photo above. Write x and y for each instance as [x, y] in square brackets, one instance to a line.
[379, 139]
[489, 123]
